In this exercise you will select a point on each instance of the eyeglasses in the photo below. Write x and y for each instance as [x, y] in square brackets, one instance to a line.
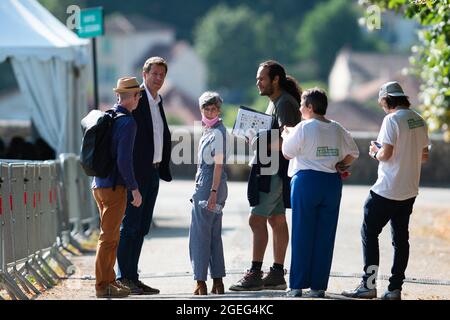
[210, 109]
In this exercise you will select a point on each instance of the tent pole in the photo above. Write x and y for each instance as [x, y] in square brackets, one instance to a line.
[94, 56]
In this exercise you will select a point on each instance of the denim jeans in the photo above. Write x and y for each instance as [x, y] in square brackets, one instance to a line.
[378, 211]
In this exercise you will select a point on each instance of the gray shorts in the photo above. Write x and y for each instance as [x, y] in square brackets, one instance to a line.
[271, 203]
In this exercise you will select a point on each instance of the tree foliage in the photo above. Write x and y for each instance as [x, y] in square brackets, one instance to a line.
[231, 43]
[325, 30]
[185, 15]
[431, 56]
[285, 19]
[59, 7]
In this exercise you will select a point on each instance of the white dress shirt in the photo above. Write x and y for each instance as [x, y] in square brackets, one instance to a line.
[158, 125]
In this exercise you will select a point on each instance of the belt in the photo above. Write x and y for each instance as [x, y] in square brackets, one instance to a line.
[156, 165]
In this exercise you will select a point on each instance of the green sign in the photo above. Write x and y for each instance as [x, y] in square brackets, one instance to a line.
[327, 152]
[91, 23]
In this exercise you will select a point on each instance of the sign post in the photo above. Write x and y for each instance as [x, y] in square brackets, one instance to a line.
[92, 26]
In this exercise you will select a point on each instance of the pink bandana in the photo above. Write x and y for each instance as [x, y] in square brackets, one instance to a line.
[210, 123]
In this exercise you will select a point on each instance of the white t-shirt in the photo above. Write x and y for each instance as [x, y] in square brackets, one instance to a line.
[318, 145]
[398, 178]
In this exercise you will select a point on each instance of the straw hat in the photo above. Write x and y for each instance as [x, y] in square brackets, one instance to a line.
[128, 84]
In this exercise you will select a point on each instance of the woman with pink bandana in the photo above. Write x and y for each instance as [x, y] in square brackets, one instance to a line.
[205, 232]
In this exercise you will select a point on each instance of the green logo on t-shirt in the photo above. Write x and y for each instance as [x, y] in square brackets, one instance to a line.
[415, 123]
[327, 152]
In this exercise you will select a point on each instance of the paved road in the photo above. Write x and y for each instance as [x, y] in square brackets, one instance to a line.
[165, 259]
[172, 219]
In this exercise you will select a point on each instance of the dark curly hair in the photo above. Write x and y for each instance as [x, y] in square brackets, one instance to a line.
[287, 82]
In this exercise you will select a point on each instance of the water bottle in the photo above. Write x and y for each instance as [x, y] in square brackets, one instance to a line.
[204, 204]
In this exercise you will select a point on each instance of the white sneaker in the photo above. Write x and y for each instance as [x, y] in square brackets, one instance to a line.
[361, 292]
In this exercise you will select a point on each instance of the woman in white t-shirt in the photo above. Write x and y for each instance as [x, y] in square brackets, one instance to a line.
[319, 151]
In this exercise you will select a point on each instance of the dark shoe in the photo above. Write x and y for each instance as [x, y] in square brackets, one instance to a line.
[315, 294]
[134, 289]
[121, 286]
[361, 292]
[294, 293]
[112, 291]
[252, 281]
[218, 287]
[392, 295]
[275, 280]
[201, 289]
[147, 289]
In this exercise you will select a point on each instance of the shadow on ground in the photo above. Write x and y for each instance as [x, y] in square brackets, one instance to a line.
[257, 295]
[174, 232]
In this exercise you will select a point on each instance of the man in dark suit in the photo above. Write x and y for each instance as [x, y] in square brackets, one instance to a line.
[152, 150]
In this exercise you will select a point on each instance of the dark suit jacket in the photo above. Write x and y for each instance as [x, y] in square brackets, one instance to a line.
[144, 148]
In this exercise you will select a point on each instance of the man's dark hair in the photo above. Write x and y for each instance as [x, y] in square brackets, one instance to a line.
[317, 98]
[154, 60]
[394, 102]
[288, 83]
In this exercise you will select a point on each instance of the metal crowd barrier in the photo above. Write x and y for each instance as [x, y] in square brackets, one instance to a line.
[79, 202]
[43, 206]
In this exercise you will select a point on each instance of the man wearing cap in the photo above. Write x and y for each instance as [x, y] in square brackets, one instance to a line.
[152, 149]
[402, 148]
[110, 193]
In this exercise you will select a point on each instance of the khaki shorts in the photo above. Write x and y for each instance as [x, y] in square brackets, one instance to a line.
[271, 203]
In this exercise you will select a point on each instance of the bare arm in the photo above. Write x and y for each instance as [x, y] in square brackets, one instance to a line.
[382, 154]
[348, 160]
[284, 134]
[344, 164]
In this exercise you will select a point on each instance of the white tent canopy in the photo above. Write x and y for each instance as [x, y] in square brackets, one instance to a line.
[50, 64]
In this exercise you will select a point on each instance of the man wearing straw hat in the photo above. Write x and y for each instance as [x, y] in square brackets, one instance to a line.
[110, 193]
[152, 149]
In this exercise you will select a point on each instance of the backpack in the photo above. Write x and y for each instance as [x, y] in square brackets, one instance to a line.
[95, 156]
